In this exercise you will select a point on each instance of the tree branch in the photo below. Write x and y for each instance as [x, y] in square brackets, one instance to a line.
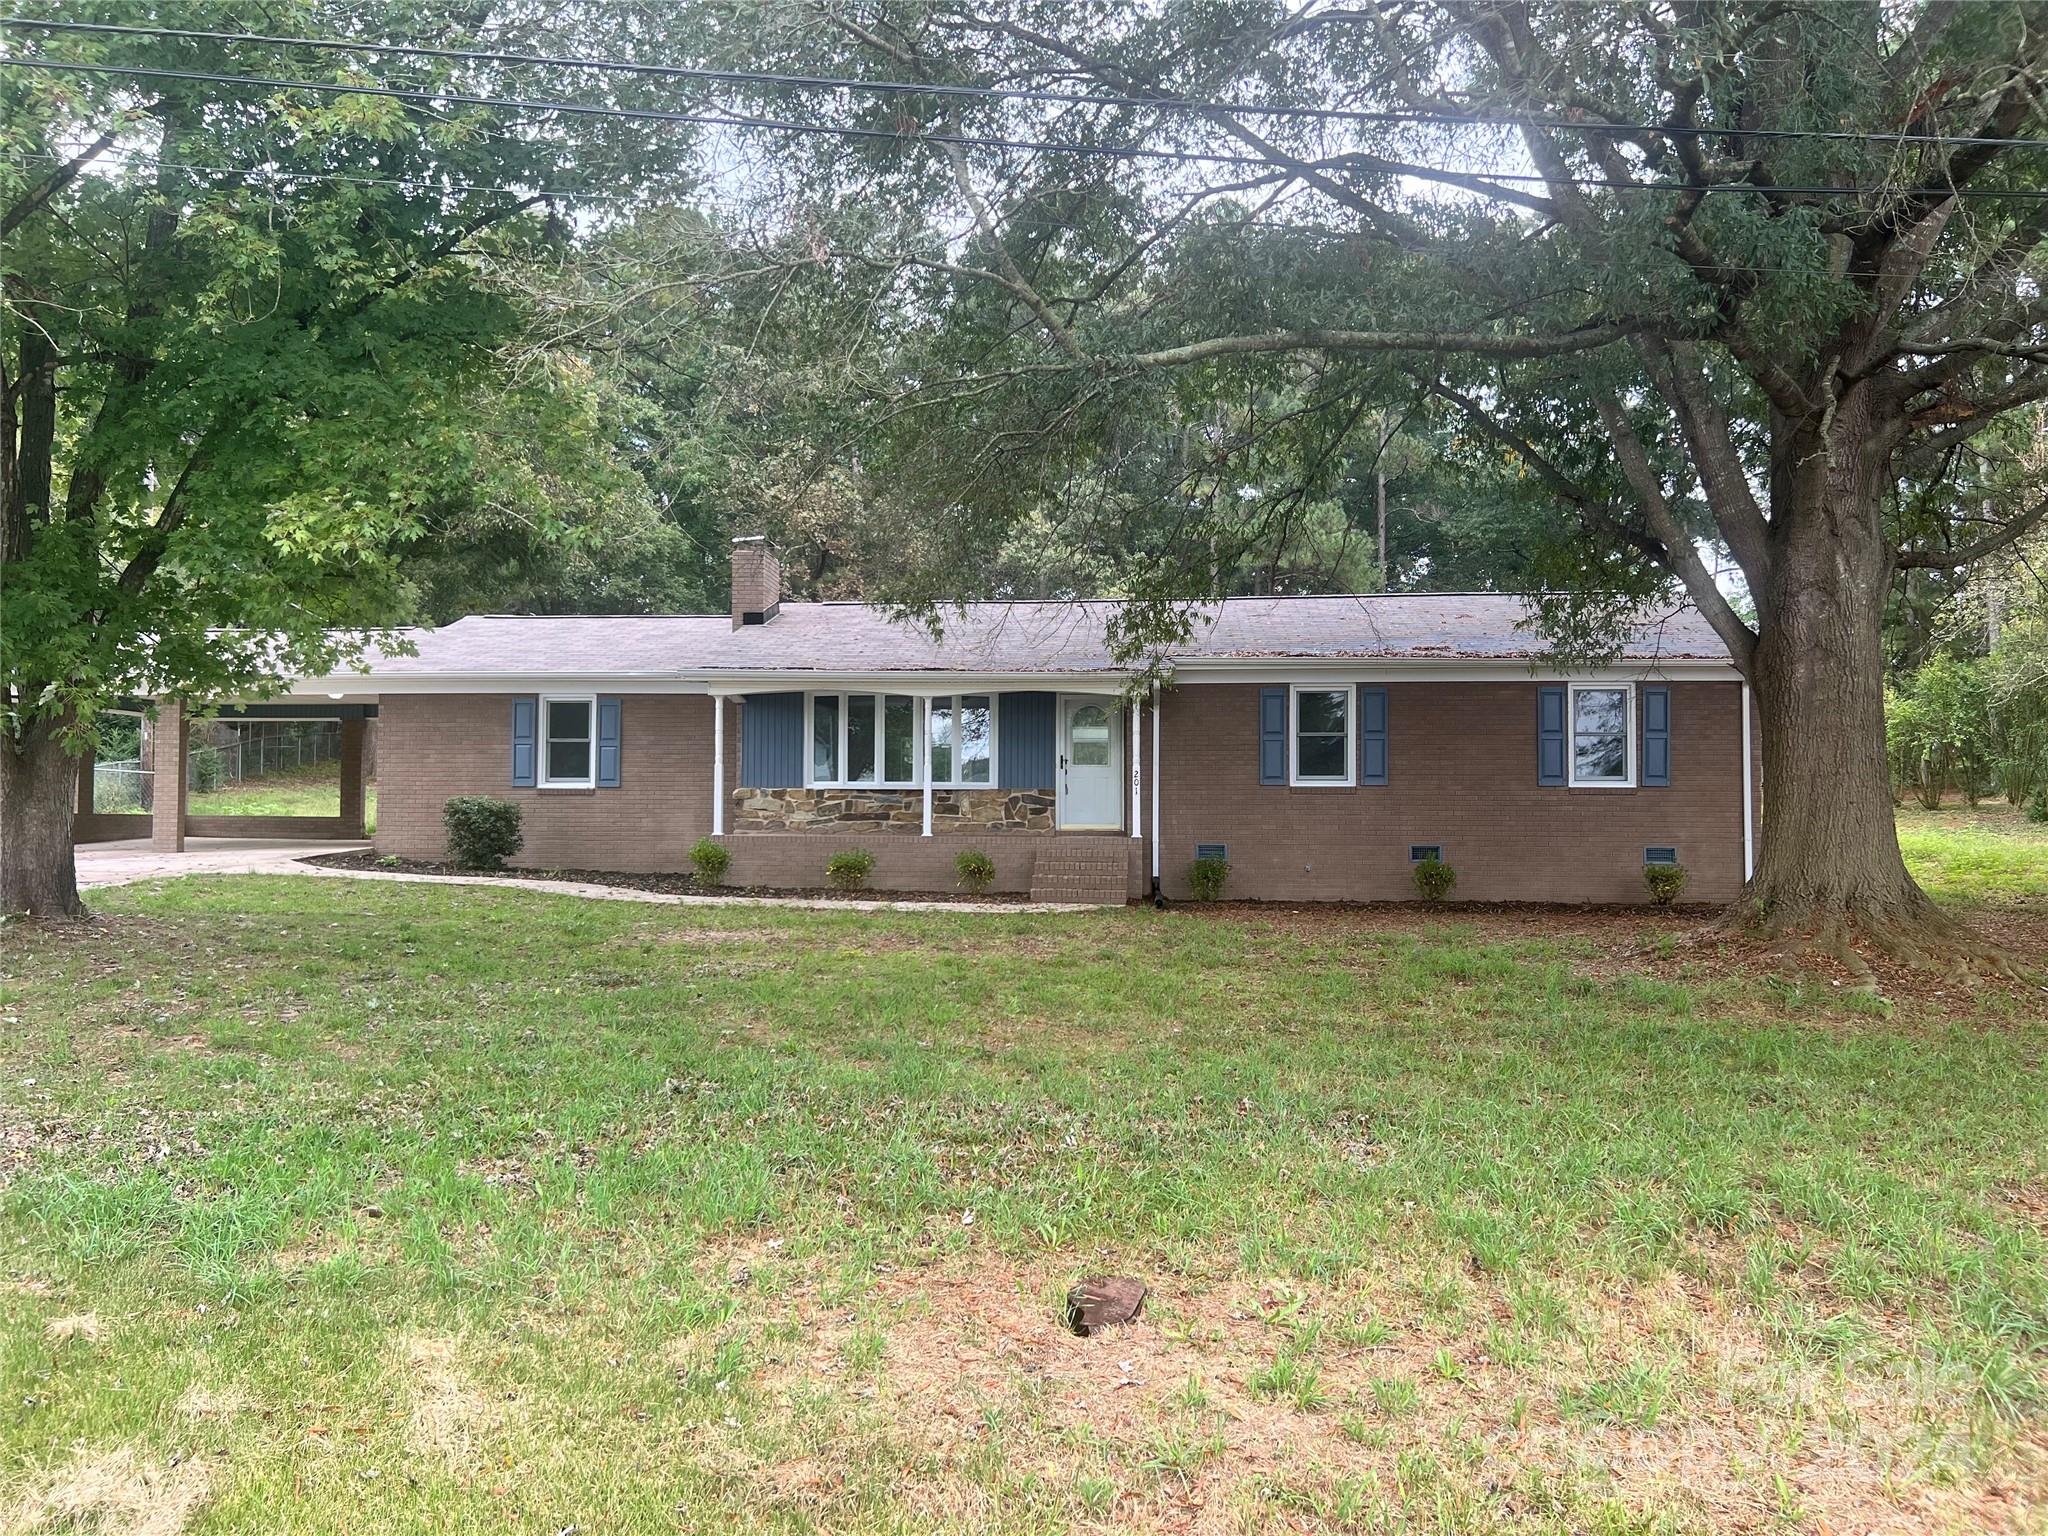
[1589, 339]
[54, 183]
[1990, 544]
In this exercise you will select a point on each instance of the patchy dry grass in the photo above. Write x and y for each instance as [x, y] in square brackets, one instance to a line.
[401, 1207]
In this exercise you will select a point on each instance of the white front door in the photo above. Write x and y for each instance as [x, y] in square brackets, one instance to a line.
[1091, 762]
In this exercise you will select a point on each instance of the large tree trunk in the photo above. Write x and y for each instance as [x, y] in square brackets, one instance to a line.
[38, 796]
[1828, 863]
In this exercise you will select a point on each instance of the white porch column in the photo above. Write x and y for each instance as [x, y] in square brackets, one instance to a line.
[1137, 773]
[718, 765]
[1155, 784]
[924, 766]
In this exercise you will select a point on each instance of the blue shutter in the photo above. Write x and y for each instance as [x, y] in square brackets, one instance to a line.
[610, 713]
[1272, 735]
[1372, 735]
[1027, 740]
[1657, 736]
[772, 736]
[525, 746]
[1550, 735]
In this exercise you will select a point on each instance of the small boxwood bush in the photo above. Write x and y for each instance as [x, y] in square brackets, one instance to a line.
[1206, 877]
[975, 869]
[1434, 879]
[1665, 882]
[849, 868]
[483, 831]
[710, 860]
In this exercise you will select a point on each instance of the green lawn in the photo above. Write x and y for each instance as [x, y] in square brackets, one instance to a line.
[1969, 857]
[312, 791]
[338, 1205]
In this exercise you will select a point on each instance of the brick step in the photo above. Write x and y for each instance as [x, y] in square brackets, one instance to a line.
[1090, 896]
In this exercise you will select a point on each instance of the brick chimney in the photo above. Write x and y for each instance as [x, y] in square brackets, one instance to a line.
[756, 581]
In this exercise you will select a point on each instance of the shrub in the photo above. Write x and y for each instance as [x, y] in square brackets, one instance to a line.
[1434, 879]
[1206, 877]
[2037, 808]
[977, 871]
[710, 860]
[1665, 882]
[483, 832]
[849, 868]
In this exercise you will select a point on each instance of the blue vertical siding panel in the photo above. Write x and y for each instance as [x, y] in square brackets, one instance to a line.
[1272, 735]
[1550, 735]
[525, 745]
[1657, 737]
[610, 739]
[1372, 735]
[772, 741]
[1027, 740]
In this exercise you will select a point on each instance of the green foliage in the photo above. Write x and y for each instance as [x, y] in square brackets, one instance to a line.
[1939, 732]
[1666, 882]
[243, 391]
[850, 868]
[1434, 879]
[974, 869]
[483, 831]
[1206, 877]
[710, 859]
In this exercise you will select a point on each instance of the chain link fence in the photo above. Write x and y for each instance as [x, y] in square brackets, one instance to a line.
[235, 752]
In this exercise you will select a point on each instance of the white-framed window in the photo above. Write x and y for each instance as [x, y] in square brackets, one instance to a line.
[964, 740]
[1322, 734]
[864, 738]
[1603, 730]
[568, 741]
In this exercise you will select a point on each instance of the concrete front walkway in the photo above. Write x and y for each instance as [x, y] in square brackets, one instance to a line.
[124, 863]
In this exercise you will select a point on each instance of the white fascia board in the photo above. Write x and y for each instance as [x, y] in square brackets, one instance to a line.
[915, 683]
[1276, 670]
[372, 685]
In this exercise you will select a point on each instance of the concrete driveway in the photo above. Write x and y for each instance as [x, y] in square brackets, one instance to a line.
[132, 859]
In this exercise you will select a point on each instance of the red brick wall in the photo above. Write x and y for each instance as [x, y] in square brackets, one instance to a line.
[435, 746]
[1462, 766]
[1462, 773]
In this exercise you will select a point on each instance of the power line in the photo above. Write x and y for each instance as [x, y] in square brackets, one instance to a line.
[1344, 161]
[1373, 117]
[420, 183]
[432, 184]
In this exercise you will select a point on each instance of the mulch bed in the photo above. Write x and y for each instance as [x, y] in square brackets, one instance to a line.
[664, 884]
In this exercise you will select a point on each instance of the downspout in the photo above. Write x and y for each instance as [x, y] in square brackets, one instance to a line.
[1748, 795]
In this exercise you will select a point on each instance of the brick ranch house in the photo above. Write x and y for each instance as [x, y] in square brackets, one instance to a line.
[1320, 744]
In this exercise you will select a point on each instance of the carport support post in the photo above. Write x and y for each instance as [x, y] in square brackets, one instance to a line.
[167, 777]
[352, 778]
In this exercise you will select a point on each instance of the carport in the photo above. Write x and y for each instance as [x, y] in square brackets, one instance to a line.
[169, 822]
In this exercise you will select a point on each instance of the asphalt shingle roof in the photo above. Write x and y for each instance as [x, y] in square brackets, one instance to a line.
[1019, 637]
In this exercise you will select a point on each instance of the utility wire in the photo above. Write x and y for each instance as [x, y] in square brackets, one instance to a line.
[567, 194]
[1341, 161]
[1378, 118]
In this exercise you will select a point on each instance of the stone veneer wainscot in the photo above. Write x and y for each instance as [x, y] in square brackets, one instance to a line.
[838, 810]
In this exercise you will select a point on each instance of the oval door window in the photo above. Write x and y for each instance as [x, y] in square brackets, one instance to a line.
[1088, 737]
